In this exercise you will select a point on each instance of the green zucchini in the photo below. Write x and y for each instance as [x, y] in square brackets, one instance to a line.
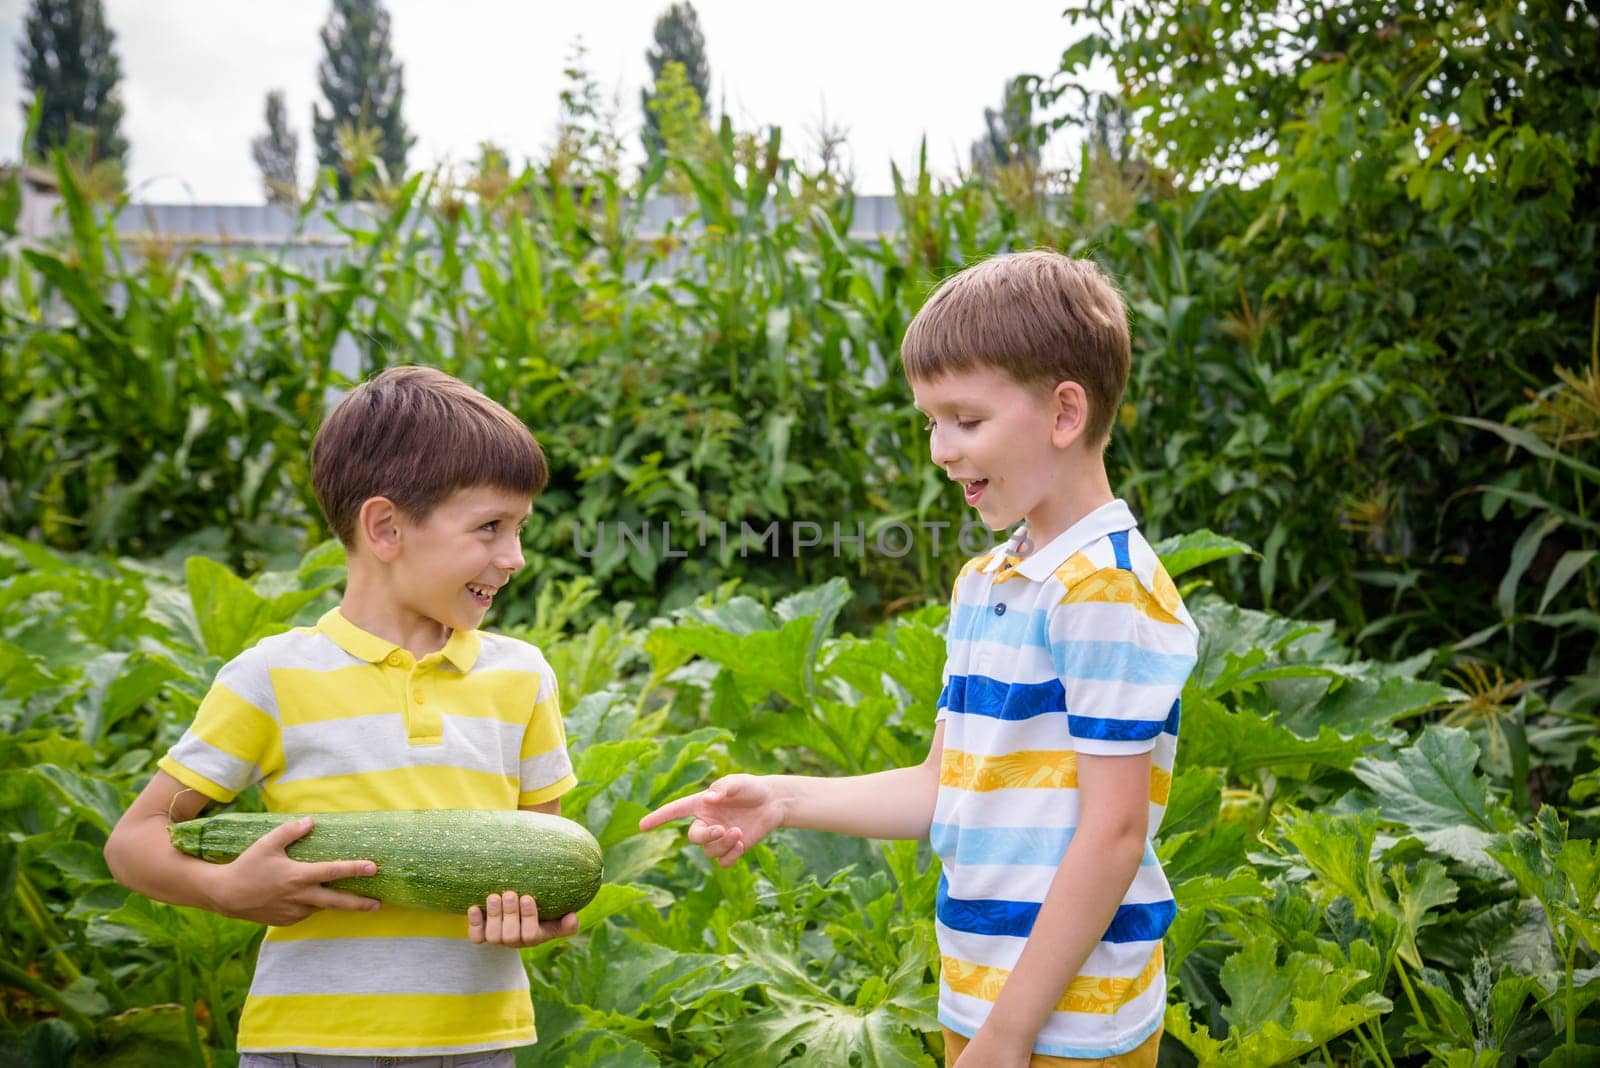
[442, 860]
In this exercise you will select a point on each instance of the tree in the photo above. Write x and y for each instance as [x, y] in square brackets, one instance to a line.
[1009, 132]
[277, 153]
[364, 88]
[69, 60]
[1383, 222]
[678, 40]
[586, 141]
[684, 133]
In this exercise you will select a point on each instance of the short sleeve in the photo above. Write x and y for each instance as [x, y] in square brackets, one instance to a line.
[235, 739]
[1122, 658]
[546, 769]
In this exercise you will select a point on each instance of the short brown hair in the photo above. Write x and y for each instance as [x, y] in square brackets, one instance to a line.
[416, 435]
[1039, 316]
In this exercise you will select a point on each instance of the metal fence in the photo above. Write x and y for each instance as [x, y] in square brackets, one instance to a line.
[266, 228]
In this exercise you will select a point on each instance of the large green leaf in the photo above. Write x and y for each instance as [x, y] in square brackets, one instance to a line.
[23, 674]
[1365, 706]
[911, 654]
[568, 1035]
[206, 938]
[92, 796]
[775, 660]
[1417, 894]
[1194, 801]
[1244, 742]
[1278, 1010]
[806, 1025]
[231, 614]
[1432, 788]
[1338, 848]
[119, 684]
[657, 983]
[1182, 553]
[1561, 873]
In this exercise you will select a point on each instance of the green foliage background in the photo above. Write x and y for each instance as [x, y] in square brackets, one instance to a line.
[1359, 245]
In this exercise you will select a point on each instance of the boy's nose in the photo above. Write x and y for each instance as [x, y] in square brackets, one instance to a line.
[938, 445]
[511, 558]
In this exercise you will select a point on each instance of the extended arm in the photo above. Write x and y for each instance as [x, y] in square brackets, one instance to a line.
[737, 811]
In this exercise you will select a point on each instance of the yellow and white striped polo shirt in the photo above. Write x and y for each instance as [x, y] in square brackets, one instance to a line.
[333, 719]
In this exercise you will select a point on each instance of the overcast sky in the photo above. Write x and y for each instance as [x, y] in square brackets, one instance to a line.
[196, 74]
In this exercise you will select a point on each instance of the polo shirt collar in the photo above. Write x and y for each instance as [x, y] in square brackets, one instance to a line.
[1107, 519]
[461, 649]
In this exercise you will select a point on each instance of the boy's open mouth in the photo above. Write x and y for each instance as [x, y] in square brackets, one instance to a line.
[974, 489]
[484, 595]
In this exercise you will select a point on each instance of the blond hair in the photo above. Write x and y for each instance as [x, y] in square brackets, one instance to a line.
[416, 435]
[1040, 317]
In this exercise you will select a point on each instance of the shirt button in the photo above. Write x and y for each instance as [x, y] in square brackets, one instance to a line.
[1000, 609]
[394, 659]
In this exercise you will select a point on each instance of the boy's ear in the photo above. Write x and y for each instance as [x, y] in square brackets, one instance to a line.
[378, 527]
[1071, 405]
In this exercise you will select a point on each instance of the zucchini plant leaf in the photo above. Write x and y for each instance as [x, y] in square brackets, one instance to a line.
[806, 1025]
[1194, 802]
[1561, 873]
[1417, 894]
[1278, 1011]
[1182, 553]
[1245, 742]
[231, 615]
[1373, 705]
[87, 795]
[568, 1036]
[207, 938]
[1433, 790]
[1338, 849]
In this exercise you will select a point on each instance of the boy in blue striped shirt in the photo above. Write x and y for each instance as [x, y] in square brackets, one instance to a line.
[1068, 647]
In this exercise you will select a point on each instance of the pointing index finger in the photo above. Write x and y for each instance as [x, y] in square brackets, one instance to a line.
[672, 810]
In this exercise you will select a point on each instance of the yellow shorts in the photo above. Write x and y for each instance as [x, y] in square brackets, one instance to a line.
[1141, 1056]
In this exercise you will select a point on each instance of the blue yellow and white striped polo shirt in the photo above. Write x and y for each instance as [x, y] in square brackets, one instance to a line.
[333, 719]
[1083, 646]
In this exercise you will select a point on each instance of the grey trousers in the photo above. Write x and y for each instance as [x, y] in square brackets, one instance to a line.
[494, 1058]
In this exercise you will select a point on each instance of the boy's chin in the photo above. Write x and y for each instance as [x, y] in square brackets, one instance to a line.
[996, 523]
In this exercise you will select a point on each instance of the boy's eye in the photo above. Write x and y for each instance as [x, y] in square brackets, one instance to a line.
[968, 424]
[491, 526]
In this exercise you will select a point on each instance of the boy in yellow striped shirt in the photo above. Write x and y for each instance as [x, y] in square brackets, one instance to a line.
[1067, 649]
[393, 700]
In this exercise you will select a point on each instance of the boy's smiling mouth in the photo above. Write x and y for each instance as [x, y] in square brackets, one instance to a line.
[973, 488]
[484, 595]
